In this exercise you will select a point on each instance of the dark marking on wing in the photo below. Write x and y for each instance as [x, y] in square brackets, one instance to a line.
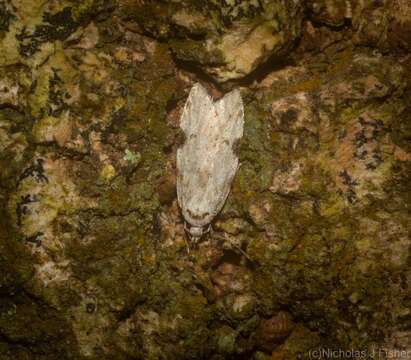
[197, 217]
[181, 138]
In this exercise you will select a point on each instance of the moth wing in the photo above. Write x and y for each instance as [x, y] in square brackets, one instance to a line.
[230, 110]
[206, 162]
[196, 110]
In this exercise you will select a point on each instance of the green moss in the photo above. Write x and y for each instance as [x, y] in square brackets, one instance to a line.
[300, 344]
[193, 51]
[255, 155]
[401, 133]
[24, 322]
[85, 9]
[341, 61]
[309, 253]
[309, 85]
[39, 98]
[226, 340]
[6, 16]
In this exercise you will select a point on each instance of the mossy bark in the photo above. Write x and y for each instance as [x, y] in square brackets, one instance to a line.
[311, 250]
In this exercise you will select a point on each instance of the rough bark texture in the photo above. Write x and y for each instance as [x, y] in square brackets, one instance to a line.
[312, 248]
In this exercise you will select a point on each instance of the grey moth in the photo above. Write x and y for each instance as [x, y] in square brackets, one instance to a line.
[207, 162]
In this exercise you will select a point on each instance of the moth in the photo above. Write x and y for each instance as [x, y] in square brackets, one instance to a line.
[207, 160]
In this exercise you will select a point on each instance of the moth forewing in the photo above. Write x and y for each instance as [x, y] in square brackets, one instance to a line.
[206, 162]
[197, 103]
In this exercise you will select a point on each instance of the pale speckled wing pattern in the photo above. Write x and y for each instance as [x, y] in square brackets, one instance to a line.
[206, 162]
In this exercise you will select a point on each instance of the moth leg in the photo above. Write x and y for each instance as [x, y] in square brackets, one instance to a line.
[232, 245]
[187, 245]
[186, 228]
[243, 252]
[210, 231]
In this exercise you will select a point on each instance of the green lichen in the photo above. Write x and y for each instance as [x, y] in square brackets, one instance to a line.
[56, 26]
[133, 158]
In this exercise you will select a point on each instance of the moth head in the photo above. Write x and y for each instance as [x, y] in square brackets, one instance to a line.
[196, 232]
